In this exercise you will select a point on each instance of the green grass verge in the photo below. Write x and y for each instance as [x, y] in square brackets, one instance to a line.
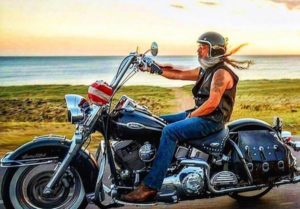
[28, 111]
[264, 99]
[46, 103]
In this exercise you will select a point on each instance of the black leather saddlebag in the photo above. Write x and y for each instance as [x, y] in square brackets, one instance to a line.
[266, 156]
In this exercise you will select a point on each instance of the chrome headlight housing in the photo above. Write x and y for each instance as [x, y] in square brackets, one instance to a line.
[75, 114]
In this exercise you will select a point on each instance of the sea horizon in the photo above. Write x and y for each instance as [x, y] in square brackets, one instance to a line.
[83, 70]
[123, 55]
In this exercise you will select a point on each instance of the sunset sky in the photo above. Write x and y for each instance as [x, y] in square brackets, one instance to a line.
[116, 27]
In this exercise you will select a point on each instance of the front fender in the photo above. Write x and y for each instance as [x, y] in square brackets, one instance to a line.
[56, 146]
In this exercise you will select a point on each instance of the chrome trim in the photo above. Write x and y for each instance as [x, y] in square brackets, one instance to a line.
[280, 165]
[74, 112]
[265, 167]
[126, 62]
[250, 166]
[75, 146]
[28, 162]
[93, 115]
[50, 136]
[241, 156]
[144, 127]
[130, 105]
[134, 125]
[106, 189]
[147, 149]
[133, 204]
[214, 144]
[99, 182]
[296, 179]
[180, 181]
[224, 178]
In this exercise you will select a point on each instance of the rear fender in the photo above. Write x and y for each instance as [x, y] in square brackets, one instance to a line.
[57, 146]
[249, 124]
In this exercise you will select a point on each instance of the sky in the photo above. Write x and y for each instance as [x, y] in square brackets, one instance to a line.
[116, 27]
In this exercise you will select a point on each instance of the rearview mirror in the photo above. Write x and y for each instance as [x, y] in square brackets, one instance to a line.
[154, 49]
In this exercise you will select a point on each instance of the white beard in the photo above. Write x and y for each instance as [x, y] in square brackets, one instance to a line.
[208, 62]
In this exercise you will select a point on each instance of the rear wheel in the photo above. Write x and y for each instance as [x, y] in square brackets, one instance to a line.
[253, 195]
[26, 184]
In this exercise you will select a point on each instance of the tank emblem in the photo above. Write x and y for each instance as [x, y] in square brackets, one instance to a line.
[133, 125]
[37, 155]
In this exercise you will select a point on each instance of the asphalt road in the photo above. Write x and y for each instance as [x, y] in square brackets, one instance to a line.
[283, 197]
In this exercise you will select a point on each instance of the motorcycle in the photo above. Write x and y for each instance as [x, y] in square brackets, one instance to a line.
[248, 155]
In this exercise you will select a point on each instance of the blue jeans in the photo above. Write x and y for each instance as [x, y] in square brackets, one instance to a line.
[179, 129]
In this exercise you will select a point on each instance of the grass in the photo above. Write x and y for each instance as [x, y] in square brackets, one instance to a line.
[46, 103]
[28, 111]
[264, 99]
[13, 134]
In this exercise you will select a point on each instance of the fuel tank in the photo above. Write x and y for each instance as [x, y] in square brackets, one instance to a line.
[135, 124]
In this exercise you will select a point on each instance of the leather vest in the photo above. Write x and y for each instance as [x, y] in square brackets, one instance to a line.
[201, 92]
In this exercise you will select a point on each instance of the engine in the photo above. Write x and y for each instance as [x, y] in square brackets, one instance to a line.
[130, 155]
[147, 152]
[190, 181]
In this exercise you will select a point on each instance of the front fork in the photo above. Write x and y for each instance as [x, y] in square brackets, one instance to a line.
[77, 142]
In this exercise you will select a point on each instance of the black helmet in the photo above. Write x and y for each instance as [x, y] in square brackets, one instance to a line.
[216, 42]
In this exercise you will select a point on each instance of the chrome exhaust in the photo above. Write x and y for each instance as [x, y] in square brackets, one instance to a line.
[240, 189]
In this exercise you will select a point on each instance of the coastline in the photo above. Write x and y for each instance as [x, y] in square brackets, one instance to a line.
[83, 70]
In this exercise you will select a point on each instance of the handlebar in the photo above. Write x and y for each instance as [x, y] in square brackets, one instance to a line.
[137, 60]
[156, 69]
[148, 62]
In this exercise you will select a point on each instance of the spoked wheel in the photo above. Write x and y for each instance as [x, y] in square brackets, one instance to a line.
[27, 184]
[253, 195]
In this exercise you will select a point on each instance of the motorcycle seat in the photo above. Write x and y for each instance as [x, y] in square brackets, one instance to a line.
[212, 144]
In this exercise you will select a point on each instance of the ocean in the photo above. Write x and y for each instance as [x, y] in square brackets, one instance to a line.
[85, 70]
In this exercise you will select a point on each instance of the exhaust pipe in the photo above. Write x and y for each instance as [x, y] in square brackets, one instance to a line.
[204, 164]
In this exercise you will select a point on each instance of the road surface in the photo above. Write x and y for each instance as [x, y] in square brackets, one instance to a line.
[283, 197]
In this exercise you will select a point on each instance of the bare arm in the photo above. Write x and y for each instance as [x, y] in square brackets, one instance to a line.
[222, 80]
[176, 73]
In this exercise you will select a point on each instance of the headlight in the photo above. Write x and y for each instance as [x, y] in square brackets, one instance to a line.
[74, 112]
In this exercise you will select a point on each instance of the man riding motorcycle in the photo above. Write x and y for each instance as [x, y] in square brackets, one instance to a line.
[214, 94]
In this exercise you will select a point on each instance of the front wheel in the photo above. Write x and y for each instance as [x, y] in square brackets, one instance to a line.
[26, 184]
[248, 196]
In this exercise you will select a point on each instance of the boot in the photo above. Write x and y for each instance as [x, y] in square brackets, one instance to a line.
[140, 194]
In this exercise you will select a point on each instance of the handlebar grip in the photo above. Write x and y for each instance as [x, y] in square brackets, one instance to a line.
[156, 69]
[141, 65]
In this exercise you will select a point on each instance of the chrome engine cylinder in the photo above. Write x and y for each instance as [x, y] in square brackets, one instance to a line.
[190, 181]
[147, 152]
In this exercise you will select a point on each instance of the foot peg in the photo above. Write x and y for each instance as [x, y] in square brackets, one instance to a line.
[167, 197]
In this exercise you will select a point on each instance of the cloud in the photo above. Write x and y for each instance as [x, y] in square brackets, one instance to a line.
[192, 3]
[208, 3]
[177, 6]
[290, 4]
